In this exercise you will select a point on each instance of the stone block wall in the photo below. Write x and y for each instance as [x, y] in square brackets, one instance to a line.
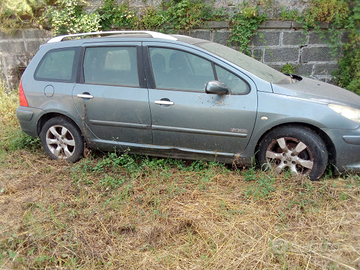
[284, 43]
[276, 43]
[16, 51]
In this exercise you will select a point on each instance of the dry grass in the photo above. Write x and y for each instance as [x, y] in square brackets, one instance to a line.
[114, 212]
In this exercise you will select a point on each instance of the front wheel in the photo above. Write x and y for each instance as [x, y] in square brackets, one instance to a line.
[62, 139]
[298, 150]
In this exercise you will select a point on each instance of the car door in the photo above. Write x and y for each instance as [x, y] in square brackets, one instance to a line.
[184, 116]
[112, 99]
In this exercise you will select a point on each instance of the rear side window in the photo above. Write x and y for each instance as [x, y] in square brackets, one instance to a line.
[57, 65]
[111, 66]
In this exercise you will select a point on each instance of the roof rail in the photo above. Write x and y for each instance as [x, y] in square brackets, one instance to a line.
[105, 33]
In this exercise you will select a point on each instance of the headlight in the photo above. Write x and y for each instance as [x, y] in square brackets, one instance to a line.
[348, 112]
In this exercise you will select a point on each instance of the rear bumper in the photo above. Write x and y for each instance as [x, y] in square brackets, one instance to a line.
[28, 118]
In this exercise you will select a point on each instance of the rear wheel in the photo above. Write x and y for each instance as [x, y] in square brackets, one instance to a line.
[62, 139]
[298, 150]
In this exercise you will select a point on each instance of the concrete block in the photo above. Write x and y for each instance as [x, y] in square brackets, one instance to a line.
[37, 34]
[17, 34]
[216, 24]
[322, 25]
[221, 36]
[203, 34]
[276, 25]
[12, 46]
[321, 54]
[266, 38]
[15, 59]
[281, 55]
[296, 38]
[325, 69]
[32, 46]
[296, 25]
[305, 70]
[316, 38]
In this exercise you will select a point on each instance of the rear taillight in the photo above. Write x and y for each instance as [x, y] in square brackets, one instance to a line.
[22, 98]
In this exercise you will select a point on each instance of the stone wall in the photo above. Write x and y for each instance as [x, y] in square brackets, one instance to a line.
[276, 43]
[16, 51]
[272, 11]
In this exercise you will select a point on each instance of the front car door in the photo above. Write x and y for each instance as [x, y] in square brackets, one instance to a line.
[112, 99]
[184, 117]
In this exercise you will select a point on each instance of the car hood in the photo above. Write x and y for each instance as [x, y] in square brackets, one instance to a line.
[318, 91]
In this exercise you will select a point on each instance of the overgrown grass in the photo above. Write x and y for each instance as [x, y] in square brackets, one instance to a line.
[11, 137]
[122, 211]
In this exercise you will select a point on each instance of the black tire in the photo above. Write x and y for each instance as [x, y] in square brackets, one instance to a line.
[293, 148]
[61, 139]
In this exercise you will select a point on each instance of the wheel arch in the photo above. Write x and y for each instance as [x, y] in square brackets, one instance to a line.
[326, 139]
[44, 118]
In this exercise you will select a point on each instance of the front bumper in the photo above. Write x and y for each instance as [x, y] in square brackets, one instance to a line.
[28, 118]
[347, 147]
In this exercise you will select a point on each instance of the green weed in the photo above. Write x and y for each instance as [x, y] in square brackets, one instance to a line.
[244, 26]
[263, 187]
[289, 69]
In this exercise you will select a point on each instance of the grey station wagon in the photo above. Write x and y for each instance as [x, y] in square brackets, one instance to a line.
[182, 97]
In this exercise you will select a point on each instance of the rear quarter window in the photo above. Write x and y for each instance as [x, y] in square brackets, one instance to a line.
[57, 65]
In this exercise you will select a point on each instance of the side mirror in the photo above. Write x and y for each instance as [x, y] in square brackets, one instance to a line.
[217, 88]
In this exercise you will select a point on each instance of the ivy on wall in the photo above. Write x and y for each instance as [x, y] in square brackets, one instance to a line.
[245, 23]
[68, 16]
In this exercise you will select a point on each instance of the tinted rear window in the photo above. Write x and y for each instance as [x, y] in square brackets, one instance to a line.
[57, 65]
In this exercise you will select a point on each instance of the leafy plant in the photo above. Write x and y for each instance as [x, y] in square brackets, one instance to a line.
[151, 19]
[348, 75]
[186, 14]
[326, 11]
[289, 69]
[14, 13]
[244, 26]
[292, 14]
[70, 18]
[113, 15]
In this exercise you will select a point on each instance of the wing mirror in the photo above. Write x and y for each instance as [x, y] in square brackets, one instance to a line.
[217, 88]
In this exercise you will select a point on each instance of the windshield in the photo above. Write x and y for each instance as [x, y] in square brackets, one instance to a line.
[245, 62]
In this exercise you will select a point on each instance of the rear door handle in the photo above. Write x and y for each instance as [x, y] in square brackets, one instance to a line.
[164, 102]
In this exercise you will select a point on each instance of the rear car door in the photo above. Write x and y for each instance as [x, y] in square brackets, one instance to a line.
[112, 99]
[184, 116]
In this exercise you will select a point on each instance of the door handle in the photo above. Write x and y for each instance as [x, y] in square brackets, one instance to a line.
[85, 96]
[164, 102]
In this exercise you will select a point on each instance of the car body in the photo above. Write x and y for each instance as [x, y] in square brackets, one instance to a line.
[182, 97]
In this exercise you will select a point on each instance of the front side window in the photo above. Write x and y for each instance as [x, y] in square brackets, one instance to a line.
[237, 85]
[111, 66]
[57, 65]
[179, 70]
